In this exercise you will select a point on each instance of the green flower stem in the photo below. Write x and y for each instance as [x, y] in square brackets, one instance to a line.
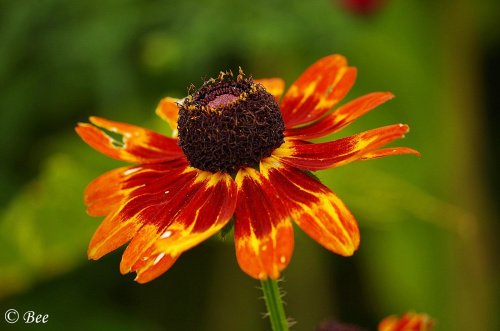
[274, 305]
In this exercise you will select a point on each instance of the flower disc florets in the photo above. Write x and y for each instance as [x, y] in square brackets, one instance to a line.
[228, 124]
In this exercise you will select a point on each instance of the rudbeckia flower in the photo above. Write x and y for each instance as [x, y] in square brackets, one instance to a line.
[236, 153]
[363, 7]
[409, 321]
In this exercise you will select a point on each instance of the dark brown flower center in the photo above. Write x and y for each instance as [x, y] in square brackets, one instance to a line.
[228, 124]
[222, 100]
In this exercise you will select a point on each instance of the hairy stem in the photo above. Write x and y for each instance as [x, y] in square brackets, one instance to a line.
[274, 305]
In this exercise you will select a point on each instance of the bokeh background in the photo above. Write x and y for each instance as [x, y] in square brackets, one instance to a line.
[429, 226]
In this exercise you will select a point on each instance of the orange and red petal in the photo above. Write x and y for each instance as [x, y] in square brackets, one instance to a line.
[143, 204]
[141, 256]
[341, 117]
[317, 90]
[107, 191]
[104, 193]
[141, 249]
[314, 207]
[166, 215]
[156, 266]
[138, 145]
[410, 321]
[209, 209]
[309, 156]
[169, 112]
[113, 232]
[275, 86]
[389, 151]
[263, 232]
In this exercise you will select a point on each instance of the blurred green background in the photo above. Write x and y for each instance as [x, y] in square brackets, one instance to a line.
[429, 226]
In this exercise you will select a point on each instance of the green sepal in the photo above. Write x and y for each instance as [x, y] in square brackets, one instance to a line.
[227, 229]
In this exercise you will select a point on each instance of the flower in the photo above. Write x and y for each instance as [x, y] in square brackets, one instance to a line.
[236, 153]
[362, 7]
[410, 321]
